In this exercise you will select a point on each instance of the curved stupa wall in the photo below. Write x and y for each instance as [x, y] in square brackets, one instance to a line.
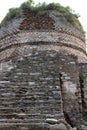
[60, 34]
[39, 71]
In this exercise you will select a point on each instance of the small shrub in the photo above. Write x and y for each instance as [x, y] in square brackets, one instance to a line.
[42, 13]
[39, 7]
[85, 116]
[51, 6]
[82, 77]
[25, 6]
[13, 12]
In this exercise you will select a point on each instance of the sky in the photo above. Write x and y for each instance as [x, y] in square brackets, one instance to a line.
[79, 6]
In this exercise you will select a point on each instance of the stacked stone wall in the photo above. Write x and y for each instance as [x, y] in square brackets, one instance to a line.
[9, 50]
[53, 37]
[31, 90]
[39, 74]
[65, 36]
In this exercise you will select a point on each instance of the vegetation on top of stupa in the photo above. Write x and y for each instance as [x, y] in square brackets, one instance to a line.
[42, 9]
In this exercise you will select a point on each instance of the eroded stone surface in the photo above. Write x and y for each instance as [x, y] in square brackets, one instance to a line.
[39, 73]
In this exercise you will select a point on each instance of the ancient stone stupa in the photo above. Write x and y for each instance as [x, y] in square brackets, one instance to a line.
[43, 68]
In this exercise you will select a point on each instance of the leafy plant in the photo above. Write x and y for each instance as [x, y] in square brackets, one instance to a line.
[82, 77]
[25, 6]
[85, 116]
[13, 12]
[39, 7]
